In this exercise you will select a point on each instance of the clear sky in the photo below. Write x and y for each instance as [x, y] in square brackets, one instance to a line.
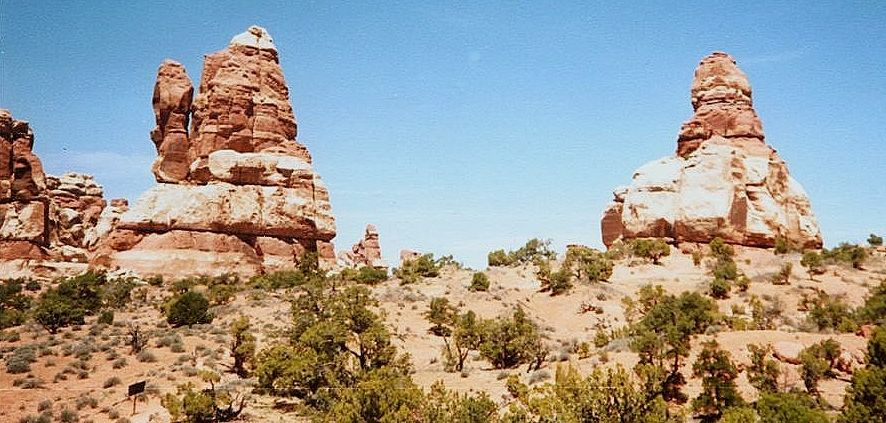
[462, 127]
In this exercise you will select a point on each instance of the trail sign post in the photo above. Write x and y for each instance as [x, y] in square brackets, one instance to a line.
[134, 390]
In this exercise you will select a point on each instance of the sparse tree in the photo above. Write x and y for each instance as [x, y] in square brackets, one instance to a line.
[718, 374]
[813, 263]
[763, 372]
[242, 346]
[137, 338]
[441, 315]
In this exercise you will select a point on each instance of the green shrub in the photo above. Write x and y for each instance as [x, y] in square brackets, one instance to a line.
[782, 245]
[509, 341]
[817, 361]
[783, 277]
[720, 249]
[813, 263]
[412, 271]
[763, 372]
[865, 398]
[213, 404]
[242, 346]
[605, 395]
[106, 317]
[499, 258]
[479, 282]
[54, 311]
[20, 360]
[785, 407]
[846, 253]
[534, 251]
[875, 240]
[278, 280]
[190, 308]
[441, 315]
[653, 249]
[720, 288]
[366, 275]
[13, 304]
[874, 309]
[718, 374]
[828, 312]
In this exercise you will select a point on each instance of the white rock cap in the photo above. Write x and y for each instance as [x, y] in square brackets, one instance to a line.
[255, 36]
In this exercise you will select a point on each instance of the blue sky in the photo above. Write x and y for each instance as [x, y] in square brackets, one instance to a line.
[462, 127]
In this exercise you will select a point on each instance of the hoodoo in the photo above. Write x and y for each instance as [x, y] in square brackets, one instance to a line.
[236, 191]
[724, 180]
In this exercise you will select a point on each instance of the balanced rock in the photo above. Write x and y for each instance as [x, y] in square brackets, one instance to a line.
[366, 252]
[236, 191]
[724, 180]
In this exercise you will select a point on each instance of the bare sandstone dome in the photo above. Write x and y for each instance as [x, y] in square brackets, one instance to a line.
[724, 181]
[236, 191]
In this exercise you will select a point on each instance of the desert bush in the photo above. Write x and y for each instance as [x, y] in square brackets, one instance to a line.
[718, 373]
[846, 253]
[719, 288]
[479, 282]
[763, 372]
[54, 311]
[212, 404]
[605, 395]
[366, 275]
[146, 356]
[720, 249]
[111, 382]
[242, 346]
[864, 398]
[830, 312]
[106, 317]
[335, 339]
[441, 315]
[793, 407]
[650, 248]
[534, 251]
[813, 263]
[466, 337]
[509, 341]
[138, 338]
[664, 333]
[190, 308]
[874, 309]
[20, 360]
[412, 271]
[783, 245]
[783, 277]
[13, 304]
[817, 361]
[875, 240]
[278, 280]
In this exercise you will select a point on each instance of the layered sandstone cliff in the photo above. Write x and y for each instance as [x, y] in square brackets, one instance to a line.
[236, 191]
[724, 180]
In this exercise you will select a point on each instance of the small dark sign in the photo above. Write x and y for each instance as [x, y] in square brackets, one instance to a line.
[136, 388]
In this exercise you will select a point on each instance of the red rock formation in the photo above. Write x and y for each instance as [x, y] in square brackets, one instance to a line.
[236, 193]
[173, 93]
[724, 180]
[24, 206]
[76, 203]
[366, 252]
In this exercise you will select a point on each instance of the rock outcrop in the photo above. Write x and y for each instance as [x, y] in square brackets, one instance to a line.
[366, 252]
[76, 203]
[236, 191]
[24, 201]
[724, 180]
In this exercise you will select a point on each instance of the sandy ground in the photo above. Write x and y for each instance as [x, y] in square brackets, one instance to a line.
[206, 346]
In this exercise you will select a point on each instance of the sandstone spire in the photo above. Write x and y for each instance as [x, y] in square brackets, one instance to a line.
[236, 191]
[724, 180]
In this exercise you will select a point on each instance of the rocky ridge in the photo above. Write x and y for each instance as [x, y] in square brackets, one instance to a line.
[724, 180]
